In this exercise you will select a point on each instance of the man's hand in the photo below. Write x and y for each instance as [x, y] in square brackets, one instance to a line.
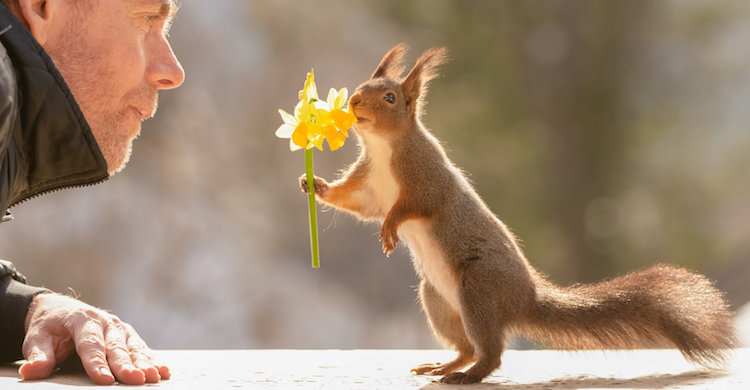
[109, 349]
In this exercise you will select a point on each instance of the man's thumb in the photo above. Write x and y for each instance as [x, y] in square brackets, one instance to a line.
[40, 362]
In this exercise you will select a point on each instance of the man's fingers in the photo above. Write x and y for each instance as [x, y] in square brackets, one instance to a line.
[143, 357]
[164, 371]
[119, 356]
[89, 341]
[150, 371]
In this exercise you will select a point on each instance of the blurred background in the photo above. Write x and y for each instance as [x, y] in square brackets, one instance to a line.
[607, 135]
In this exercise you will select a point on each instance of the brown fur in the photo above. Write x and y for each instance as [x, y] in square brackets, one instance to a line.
[476, 284]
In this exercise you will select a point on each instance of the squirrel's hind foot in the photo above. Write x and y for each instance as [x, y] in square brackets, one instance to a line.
[442, 369]
[426, 369]
[460, 378]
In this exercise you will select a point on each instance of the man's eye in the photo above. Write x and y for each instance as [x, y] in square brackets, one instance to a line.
[151, 18]
[389, 97]
[144, 23]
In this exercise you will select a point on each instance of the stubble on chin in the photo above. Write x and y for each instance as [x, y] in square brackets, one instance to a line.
[115, 143]
[116, 131]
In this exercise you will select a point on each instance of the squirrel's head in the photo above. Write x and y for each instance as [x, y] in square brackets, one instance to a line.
[388, 103]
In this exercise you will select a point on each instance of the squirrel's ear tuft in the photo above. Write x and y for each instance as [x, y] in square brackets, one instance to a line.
[426, 69]
[391, 66]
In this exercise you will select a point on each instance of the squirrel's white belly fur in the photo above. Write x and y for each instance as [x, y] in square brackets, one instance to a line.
[429, 258]
[380, 179]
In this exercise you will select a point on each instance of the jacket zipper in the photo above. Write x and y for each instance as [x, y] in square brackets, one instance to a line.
[56, 189]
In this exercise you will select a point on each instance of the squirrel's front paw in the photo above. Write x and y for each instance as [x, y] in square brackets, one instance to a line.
[389, 237]
[321, 186]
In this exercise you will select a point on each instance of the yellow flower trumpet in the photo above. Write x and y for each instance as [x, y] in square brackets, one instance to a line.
[313, 122]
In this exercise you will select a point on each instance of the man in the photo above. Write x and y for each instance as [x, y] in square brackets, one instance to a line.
[113, 56]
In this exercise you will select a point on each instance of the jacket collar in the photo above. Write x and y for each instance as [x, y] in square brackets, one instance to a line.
[53, 145]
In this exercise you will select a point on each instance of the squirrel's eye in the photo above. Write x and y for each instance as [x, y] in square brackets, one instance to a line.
[389, 97]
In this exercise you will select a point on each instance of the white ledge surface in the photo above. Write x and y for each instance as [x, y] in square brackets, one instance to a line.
[389, 369]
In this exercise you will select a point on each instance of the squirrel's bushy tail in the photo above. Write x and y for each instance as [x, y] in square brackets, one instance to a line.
[662, 306]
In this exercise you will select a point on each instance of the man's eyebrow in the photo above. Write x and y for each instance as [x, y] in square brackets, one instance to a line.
[167, 8]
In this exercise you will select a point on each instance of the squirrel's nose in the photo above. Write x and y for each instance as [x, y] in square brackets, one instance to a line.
[355, 100]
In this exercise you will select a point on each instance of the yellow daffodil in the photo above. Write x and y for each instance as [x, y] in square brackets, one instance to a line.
[333, 136]
[313, 122]
[337, 106]
[309, 92]
[334, 118]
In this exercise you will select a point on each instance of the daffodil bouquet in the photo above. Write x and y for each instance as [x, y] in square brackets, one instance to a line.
[313, 122]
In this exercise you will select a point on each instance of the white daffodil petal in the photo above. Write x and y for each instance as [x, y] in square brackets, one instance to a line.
[288, 118]
[341, 98]
[298, 109]
[332, 97]
[321, 105]
[285, 131]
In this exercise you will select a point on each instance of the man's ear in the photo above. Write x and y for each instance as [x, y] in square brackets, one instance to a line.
[37, 15]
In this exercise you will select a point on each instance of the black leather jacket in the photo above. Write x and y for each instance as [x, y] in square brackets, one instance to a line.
[45, 145]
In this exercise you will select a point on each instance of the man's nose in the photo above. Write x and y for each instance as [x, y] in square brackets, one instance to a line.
[164, 70]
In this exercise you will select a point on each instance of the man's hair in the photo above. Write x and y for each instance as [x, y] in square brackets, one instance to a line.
[15, 7]
[12, 5]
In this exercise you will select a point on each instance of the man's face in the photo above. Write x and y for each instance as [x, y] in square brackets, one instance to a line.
[115, 57]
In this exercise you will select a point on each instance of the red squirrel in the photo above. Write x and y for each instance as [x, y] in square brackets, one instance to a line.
[476, 284]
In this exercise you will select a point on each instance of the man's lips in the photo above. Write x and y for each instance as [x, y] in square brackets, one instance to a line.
[144, 113]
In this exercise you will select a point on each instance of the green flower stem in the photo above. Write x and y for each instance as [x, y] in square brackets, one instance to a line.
[313, 212]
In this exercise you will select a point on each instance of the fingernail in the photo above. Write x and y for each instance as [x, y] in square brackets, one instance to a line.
[104, 371]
